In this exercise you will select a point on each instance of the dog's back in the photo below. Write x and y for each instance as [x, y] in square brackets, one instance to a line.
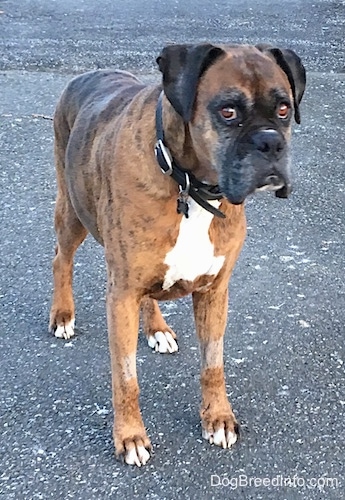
[88, 103]
[103, 93]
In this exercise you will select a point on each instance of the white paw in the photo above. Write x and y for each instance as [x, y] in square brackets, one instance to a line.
[138, 455]
[220, 438]
[65, 331]
[162, 342]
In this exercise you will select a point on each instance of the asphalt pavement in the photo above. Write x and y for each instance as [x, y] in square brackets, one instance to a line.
[284, 348]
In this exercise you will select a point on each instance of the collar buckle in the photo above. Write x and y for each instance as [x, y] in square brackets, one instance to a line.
[164, 157]
[182, 200]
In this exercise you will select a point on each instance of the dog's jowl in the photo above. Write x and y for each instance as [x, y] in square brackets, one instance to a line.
[159, 176]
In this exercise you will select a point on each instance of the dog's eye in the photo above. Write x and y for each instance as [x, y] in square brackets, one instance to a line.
[228, 113]
[283, 110]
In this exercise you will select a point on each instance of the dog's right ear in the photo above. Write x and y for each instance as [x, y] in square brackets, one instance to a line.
[182, 66]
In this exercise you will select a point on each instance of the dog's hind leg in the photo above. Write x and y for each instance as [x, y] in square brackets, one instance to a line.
[70, 234]
[160, 336]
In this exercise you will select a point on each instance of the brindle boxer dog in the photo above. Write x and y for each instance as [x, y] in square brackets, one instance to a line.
[159, 175]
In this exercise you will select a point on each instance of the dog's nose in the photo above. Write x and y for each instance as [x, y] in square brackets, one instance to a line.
[269, 143]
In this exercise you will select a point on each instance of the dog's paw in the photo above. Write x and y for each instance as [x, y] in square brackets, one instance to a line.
[63, 331]
[221, 437]
[219, 425]
[136, 453]
[162, 342]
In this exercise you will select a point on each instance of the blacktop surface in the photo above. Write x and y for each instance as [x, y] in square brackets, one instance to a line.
[284, 347]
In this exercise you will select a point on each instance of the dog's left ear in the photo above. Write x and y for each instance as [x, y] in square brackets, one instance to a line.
[182, 66]
[292, 66]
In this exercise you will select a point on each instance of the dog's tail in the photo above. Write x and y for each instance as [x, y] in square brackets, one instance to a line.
[62, 132]
[64, 117]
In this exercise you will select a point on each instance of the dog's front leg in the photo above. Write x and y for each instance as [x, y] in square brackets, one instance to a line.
[130, 436]
[218, 422]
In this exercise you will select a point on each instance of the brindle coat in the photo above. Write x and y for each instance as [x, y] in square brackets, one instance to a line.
[109, 184]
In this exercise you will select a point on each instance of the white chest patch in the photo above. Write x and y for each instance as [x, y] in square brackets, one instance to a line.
[193, 253]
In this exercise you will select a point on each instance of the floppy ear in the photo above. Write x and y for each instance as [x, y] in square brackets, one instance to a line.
[292, 66]
[182, 66]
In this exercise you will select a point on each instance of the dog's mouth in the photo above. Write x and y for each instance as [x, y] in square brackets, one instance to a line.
[277, 184]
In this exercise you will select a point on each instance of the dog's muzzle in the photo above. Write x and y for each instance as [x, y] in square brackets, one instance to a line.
[270, 144]
[259, 162]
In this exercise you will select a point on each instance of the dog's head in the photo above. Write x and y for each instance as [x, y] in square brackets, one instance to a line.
[238, 103]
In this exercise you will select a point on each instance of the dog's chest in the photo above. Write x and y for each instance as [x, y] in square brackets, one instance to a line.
[193, 253]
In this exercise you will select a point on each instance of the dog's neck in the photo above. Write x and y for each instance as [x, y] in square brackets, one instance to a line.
[192, 181]
[179, 141]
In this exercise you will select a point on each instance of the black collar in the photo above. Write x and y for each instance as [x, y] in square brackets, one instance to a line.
[188, 184]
